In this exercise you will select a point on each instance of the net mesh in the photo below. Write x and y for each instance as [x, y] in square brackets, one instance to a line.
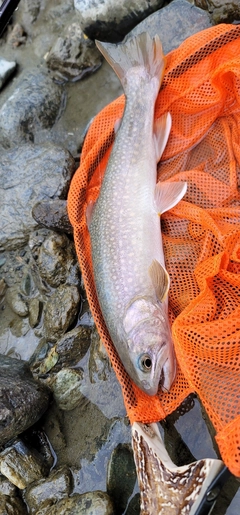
[201, 235]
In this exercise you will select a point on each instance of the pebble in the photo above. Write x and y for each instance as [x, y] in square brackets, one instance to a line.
[16, 302]
[6, 70]
[44, 493]
[11, 505]
[21, 465]
[35, 311]
[53, 215]
[221, 11]
[66, 388]
[121, 476]
[22, 399]
[90, 503]
[73, 56]
[55, 259]
[60, 311]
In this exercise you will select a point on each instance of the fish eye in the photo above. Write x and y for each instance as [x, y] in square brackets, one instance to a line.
[145, 363]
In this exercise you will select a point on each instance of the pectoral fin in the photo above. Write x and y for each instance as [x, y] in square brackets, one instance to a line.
[160, 279]
[162, 128]
[168, 194]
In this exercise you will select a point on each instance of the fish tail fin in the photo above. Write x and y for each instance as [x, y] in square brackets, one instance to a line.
[139, 51]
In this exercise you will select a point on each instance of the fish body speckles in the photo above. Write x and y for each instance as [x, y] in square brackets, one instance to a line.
[128, 261]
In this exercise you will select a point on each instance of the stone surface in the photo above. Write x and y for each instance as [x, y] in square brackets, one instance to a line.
[34, 104]
[21, 465]
[111, 21]
[6, 69]
[221, 11]
[46, 492]
[16, 302]
[29, 174]
[53, 215]
[66, 388]
[183, 18]
[60, 311]
[23, 399]
[73, 56]
[97, 503]
[121, 477]
[72, 346]
[11, 506]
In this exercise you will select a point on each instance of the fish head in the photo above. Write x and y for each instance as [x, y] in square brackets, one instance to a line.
[150, 345]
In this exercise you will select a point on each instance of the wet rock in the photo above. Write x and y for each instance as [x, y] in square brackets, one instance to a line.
[134, 506]
[35, 310]
[6, 70]
[121, 477]
[22, 465]
[34, 104]
[184, 19]
[28, 174]
[16, 302]
[73, 56]
[55, 259]
[66, 388]
[97, 503]
[17, 36]
[29, 11]
[3, 288]
[72, 347]
[99, 363]
[53, 215]
[46, 492]
[23, 400]
[11, 506]
[221, 11]
[6, 487]
[111, 21]
[60, 311]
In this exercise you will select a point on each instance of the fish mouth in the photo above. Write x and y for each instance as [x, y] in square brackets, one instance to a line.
[166, 378]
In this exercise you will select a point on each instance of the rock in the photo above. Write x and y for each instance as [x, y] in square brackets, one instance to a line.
[73, 56]
[6, 487]
[66, 388]
[22, 465]
[134, 505]
[34, 104]
[17, 36]
[53, 215]
[60, 311]
[11, 506]
[3, 288]
[183, 18]
[23, 400]
[111, 21]
[29, 10]
[35, 311]
[16, 302]
[121, 477]
[221, 11]
[29, 174]
[55, 259]
[97, 503]
[72, 347]
[6, 70]
[46, 492]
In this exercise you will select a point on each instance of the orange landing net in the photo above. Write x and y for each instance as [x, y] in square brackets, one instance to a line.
[201, 235]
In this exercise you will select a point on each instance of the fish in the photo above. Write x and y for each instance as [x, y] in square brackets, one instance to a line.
[169, 489]
[130, 276]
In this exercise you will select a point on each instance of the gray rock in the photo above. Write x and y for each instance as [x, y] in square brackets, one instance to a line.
[6, 69]
[73, 56]
[73, 345]
[97, 503]
[66, 388]
[60, 311]
[16, 302]
[6, 487]
[29, 174]
[11, 505]
[53, 215]
[121, 477]
[35, 310]
[46, 492]
[23, 400]
[111, 21]
[56, 257]
[183, 19]
[221, 11]
[34, 103]
[21, 465]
